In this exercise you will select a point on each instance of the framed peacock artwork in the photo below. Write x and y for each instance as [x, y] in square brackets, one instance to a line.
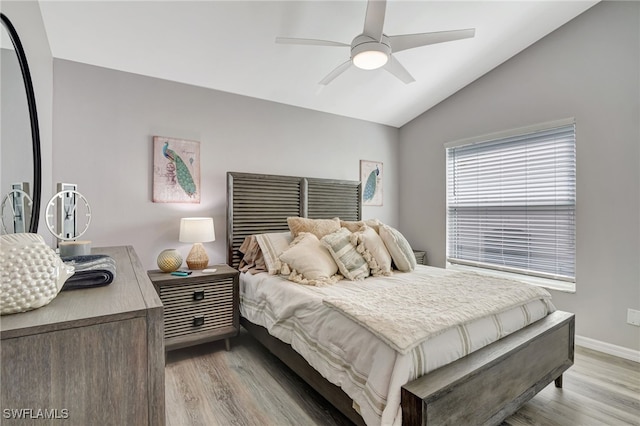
[371, 179]
[176, 170]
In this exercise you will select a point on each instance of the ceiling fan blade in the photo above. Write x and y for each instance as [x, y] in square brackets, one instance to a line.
[374, 19]
[309, 41]
[395, 67]
[409, 41]
[336, 72]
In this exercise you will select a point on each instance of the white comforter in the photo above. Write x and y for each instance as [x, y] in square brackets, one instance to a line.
[350, 356]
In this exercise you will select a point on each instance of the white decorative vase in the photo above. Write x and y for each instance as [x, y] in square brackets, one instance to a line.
[169, 260]
[31, 273]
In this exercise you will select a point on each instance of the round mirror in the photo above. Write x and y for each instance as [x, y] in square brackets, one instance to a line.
[20, 177]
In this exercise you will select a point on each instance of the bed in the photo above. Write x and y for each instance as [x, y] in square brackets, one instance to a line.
[483, 387]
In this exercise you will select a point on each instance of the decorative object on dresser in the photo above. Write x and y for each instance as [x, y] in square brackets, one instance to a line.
[199, 308]
[68, 214]
[197, 230]
[176, 170]
[32, 273]
[169, 260]
[97, 353]
[74, 248]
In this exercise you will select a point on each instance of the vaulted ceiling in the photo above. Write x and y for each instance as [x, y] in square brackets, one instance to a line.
[230, 46]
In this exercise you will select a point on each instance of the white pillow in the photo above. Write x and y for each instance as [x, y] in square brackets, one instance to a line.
[307, 261]
[374, 251]
[351, 263]
[272, 245]
[399, 248]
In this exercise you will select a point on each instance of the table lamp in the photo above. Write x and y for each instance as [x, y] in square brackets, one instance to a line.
[197, 230]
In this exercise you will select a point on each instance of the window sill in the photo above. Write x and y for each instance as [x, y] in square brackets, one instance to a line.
[563, 286]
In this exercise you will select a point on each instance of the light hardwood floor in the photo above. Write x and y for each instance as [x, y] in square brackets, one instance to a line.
[208, 386]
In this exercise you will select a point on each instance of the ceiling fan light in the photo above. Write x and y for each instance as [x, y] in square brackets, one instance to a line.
[370, 59]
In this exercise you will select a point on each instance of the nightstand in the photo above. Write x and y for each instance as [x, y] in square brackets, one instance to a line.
[421, 257]
[198, 308]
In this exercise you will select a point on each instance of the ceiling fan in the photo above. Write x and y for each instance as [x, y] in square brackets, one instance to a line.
[373, 49]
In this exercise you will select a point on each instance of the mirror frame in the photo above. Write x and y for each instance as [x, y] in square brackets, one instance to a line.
[33, 118]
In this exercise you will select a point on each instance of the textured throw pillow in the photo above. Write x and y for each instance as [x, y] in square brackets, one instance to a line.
[399, 248]
[272, 245]
[356, 226]
[351, 263]
[318, 227]
[374, 251]
[307, 261]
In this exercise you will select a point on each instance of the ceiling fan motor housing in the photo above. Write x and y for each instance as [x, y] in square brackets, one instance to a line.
[369, 53]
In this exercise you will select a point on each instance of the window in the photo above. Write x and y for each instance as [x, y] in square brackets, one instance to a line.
[511, 202]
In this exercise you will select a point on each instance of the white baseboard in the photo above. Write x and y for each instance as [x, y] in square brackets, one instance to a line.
[608, 348]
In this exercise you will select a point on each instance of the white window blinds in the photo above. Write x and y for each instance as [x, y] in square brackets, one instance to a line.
[511, 203]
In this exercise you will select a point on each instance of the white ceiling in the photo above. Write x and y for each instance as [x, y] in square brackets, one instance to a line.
[229, 46]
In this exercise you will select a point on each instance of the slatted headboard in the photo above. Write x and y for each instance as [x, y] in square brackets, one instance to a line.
[258, 203]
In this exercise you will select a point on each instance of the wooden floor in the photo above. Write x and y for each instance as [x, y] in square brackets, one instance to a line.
[208, 386]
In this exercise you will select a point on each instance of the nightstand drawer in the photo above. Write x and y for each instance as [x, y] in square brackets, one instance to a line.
[196, 308]
[197, 322]
[199, 308]
[187, 296]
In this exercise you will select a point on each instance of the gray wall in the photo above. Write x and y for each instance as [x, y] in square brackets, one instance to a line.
[27, 19]
[587, 69]
[105, 121]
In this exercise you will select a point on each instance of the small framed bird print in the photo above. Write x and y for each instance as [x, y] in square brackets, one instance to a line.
[371, 182]
[176, 170]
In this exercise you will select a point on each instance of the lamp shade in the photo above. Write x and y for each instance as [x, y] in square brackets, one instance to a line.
[196, 230]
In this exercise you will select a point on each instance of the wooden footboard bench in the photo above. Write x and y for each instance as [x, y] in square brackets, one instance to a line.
[490, 384]
[484, 388]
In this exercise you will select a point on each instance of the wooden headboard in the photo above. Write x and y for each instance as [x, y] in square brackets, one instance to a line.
[259, 204]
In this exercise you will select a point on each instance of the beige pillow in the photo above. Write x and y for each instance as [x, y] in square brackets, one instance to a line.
[318, 227]
[307, 261]
[399, 248]
[350, 263]
[372, 247]
[272, 245]
[357, 226]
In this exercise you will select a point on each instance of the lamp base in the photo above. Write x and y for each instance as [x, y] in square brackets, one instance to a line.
[197, 258]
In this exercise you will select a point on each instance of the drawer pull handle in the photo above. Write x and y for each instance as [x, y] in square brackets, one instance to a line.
[198, 321]
[198, 295]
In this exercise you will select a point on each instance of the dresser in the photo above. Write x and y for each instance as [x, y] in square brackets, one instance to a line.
[91, 356]
[199, 308]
